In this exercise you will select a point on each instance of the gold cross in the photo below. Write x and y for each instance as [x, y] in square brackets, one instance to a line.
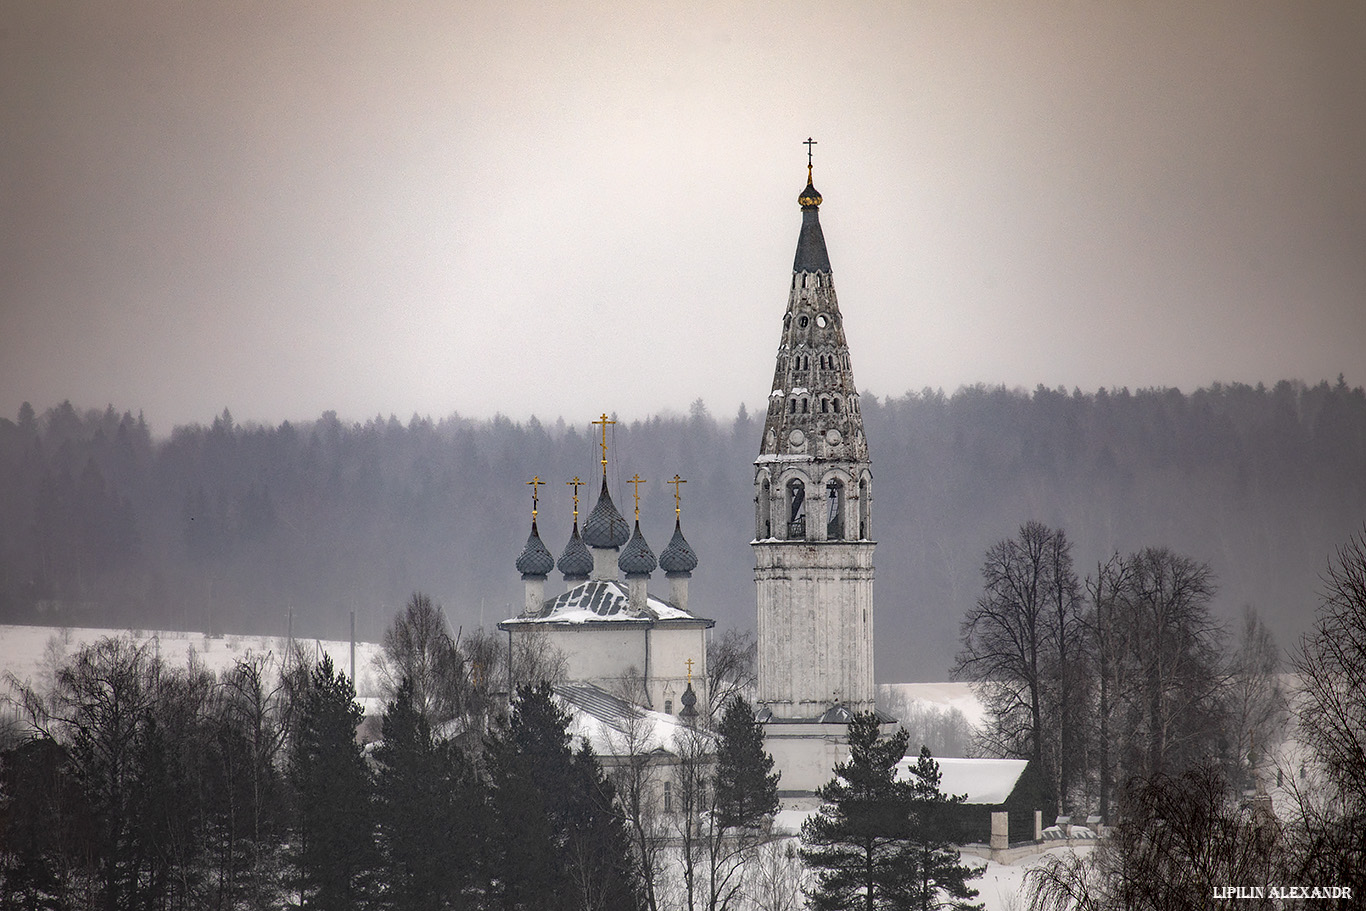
[535, 483]
[637, 480]
[809, 143]
[689, 664]
[604, 422]
[677, 499]
[576, 484]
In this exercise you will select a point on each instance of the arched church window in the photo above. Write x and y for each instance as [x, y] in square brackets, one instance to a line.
[836, 404]
[806, 403]
[668, 797]
[792, 406]
[825, 405]
[834, 510]
[796, 509]
[668, 706]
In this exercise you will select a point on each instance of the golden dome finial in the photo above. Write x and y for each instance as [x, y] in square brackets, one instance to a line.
[809, 196]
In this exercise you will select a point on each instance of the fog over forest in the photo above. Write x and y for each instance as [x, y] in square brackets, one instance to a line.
[230, 526]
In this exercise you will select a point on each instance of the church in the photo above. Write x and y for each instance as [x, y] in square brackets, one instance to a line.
[813, 561]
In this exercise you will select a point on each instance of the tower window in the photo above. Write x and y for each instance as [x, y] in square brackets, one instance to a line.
[792, 406]
[668, 797]
[836, 403]
[796, 509]
[825, 406]
[803, 322]
[805, 406]
[863, 507]
[834, 511]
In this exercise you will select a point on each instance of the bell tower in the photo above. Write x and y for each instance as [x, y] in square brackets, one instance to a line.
[813, 485]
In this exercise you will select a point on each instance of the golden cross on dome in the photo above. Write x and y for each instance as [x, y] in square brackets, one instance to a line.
[576, 484]
[535, 483]
[689, 664]
[637, 480]
[604, 422]
[809, 143]
[677, 499]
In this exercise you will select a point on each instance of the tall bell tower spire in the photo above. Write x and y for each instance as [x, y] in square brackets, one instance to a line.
[813, 546]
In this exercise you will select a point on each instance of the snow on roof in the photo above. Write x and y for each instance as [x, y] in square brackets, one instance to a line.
[947, 694]
[987, 781]
[614, 726]
[597, 600]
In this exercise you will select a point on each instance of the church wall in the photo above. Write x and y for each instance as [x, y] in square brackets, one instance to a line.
[670, 650]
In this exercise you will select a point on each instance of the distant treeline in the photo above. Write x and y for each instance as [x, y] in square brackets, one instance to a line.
[231, 527]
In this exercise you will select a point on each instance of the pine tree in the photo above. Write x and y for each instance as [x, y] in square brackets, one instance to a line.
[334, 850]
[932, 826]
[746, 785]
[857, 843]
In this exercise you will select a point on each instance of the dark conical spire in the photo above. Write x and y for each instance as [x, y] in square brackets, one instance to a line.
[811, 254]
[535, 559]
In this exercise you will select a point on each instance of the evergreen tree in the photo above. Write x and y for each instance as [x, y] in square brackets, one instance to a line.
[559, 839]
[746, 785]
[857, 844]
[334, 835]
[932, 829]
[429, 812]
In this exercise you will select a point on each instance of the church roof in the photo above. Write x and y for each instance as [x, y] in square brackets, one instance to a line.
[605, 526]
[576, 560]
[984, 781]
[678, 557]
[613, 726]
[637, 559]
[535, 559]
[600, 601]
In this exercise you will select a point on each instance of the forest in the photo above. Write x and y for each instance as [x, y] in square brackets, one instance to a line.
[239, 527]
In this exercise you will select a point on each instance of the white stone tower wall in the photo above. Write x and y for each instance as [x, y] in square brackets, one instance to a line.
[815, 619]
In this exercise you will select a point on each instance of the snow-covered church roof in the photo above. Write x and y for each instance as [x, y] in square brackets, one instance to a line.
[613, 726]
[984, 781]
[600, 601]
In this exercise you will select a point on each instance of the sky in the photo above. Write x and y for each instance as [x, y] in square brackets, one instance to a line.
[562, 209]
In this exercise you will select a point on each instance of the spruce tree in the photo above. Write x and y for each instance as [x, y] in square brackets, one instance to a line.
[932, 819]
[559, 837]
[334, 844]
[746, 785]
[429, 812]
[857, 842]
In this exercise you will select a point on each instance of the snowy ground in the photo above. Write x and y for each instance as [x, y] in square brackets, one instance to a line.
[29, 652]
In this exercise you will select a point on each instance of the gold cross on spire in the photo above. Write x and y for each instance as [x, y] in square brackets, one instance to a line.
[637, 480]
[809, 143]
[675, 481]
[689, 664]
[604, 422]
[535, 483]
[576, 484]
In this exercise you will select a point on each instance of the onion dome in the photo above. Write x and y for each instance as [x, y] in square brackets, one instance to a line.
[810, 196]
[576, 561]
[689, 700]
[636, 558]
[605, 526]
[535, 559]
[678, 557]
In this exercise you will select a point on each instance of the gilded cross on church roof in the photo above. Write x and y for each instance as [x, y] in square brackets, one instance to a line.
[675, 481]
[809, 143]
[576, 484]
[689, 664]
[637, 480]
[535, 483]
[604, 422]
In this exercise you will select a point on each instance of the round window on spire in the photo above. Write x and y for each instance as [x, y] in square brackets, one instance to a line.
[802, 322]
[822, 320]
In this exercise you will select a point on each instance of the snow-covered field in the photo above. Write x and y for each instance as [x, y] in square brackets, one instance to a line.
[30, 652]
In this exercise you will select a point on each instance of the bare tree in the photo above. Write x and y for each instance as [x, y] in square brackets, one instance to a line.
[535, 659]
[1020, 646]
[1331, 663]
[730, 668]
[1256, 700]
[418, 647]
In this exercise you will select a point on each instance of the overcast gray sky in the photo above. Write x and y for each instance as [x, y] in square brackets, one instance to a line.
[282, 208]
